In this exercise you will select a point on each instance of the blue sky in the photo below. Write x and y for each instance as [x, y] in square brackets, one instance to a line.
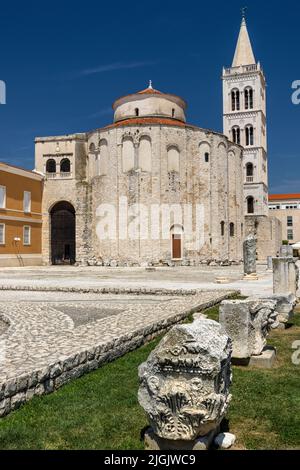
[65, 62]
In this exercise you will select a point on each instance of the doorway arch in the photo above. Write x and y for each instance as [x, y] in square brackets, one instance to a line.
[63, 235]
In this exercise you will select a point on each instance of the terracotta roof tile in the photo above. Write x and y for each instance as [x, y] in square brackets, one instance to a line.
[283, 197]
[149, 91]
[148, 121]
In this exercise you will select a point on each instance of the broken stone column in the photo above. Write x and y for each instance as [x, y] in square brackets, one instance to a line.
[184, 386]
[249, 249]
[285, 276]
[247, 323]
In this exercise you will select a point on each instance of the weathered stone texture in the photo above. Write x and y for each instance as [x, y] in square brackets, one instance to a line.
[267, 231]
[285, 276]
[215, 185]
[184, 384]
[250, 255]
[247, 323]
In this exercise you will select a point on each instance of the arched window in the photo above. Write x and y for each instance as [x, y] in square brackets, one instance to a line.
[249, 135]
[137, 112]
[250, 205]
[128, 154]
[205, 150]
[173, 159]
[248, 98]
[145, 154]
[222, 228]
[231, 229]
[92, 148]
[51, 166]
[235, 100]
[173, 112]
[65, 166]
[236, 135]
[103, 158]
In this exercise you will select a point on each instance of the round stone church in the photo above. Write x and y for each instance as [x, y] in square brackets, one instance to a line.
[148, 189]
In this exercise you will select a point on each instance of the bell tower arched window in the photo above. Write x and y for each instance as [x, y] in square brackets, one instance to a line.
[249, 102]
[235, 100]
[249, 136]
[236, 135]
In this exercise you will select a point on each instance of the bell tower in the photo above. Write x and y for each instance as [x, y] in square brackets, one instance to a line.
[244, 120]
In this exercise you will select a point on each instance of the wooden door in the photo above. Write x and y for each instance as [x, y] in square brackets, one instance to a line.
[176, 246]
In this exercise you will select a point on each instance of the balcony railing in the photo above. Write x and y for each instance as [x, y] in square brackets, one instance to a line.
[242, 69]
[61, 175]
[249, 179]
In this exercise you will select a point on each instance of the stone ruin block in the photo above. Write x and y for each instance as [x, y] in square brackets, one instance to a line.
[285, 307]
[286, 251]
[285, 276]
[247, 323]
[184, 384]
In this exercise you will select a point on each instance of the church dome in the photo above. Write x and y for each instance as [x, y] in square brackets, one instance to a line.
[149, 103]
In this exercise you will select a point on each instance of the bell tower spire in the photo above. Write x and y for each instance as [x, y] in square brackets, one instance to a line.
[243, 53]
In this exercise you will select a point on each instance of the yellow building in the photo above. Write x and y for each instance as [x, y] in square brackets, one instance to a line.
[20, 216]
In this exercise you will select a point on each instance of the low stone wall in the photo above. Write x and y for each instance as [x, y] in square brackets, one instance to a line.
[103, 290]
[16, 391]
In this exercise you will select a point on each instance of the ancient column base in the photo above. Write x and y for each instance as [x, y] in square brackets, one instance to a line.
[266, 359]
[251, 277]
[154, 442]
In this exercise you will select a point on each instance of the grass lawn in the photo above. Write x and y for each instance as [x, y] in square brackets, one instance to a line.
[100, 410]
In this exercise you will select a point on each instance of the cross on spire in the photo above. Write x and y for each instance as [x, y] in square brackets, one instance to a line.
[150, 84]
[244, 9]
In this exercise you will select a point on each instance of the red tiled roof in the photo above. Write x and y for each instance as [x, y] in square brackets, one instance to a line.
[149, 91]
[148, 121]
[283, 197]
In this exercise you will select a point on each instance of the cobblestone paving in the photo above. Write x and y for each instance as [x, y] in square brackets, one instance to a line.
[3, 327]
[42, 333]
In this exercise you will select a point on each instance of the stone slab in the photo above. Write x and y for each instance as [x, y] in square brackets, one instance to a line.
[153, 442]
[265, 361]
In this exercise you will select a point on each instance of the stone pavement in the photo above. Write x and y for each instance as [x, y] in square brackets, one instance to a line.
[54, 337]
[85, 278]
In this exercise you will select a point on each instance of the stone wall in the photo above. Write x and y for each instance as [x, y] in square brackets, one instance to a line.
[214, 184]
[267, 230]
